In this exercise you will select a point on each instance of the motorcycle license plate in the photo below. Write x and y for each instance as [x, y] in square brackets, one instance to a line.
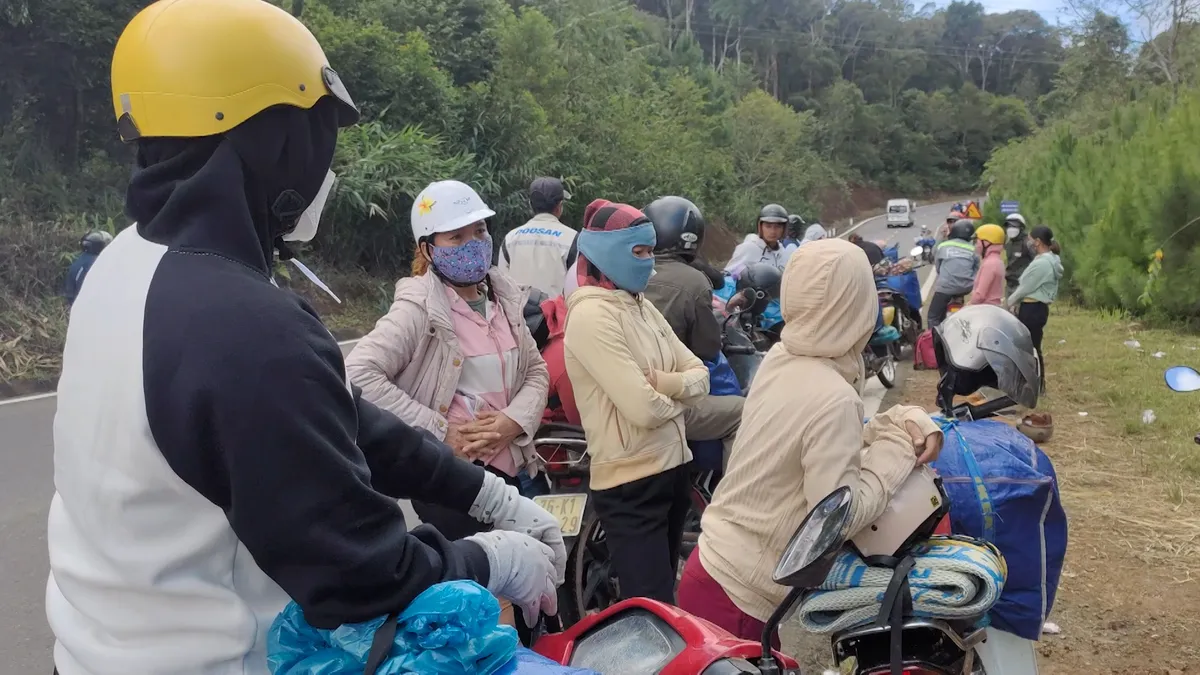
[568, 509]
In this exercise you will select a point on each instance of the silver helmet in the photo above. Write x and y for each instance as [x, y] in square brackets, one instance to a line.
[986, 336]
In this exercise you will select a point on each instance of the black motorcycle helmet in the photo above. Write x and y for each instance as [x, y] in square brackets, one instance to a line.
[963, 229]
[678, 225]
[763, 282]
[796, 226]
[95, 241]
[773, 213]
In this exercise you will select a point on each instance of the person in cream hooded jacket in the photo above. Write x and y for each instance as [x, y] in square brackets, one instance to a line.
[633, 382]
[802, 436]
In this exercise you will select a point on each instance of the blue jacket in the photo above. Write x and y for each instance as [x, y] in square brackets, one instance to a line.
[75, 275]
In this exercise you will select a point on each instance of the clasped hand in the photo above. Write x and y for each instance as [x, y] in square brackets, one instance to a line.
[481, 438]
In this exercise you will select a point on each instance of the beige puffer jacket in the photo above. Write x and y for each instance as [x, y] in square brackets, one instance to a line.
[802, 432]
[409, 364]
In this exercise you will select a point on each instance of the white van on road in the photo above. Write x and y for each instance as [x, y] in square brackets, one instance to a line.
[900, 212]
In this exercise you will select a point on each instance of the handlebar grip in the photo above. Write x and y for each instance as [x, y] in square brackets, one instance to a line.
[744, 350]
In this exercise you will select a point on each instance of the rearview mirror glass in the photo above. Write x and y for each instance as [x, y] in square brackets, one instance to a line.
[916, 252]
[1182, 378]
[815, 544]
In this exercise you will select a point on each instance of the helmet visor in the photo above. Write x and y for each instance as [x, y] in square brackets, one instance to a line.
[1016, 366]
[347, 112]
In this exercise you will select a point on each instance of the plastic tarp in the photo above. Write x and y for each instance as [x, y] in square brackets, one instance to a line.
[908, 284]
[450, 629]
[1003, 489]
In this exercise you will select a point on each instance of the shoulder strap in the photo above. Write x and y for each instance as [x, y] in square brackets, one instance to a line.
[572, 252]
[381, 644]
[504, 249]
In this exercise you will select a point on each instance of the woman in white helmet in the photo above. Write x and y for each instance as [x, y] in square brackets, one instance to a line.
[453, 354]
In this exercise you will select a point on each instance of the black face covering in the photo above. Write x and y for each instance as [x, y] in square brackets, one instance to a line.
[235, 194]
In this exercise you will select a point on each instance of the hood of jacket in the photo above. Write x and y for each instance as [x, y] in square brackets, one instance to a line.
[829, 304]
[1055, 263]
[815, 232]
[555, 311]
[223, 195]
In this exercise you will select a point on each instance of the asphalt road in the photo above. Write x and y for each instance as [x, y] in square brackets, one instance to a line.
[26, 486]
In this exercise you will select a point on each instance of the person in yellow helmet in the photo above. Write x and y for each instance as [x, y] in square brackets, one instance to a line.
[211, 461]
[989, 282]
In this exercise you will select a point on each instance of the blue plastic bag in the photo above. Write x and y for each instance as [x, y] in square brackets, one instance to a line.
[527, 662]
[1003, 489]
[450, 629]
[722, 381]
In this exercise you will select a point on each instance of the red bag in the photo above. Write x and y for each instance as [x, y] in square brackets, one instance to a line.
[923, 354]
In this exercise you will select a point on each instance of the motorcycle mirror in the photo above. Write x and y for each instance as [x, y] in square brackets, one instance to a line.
[1182, 378]
[810, 553]
[916, 252]
[806, 562]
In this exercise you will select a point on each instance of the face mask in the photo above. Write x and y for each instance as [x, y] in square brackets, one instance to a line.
[1013, 232]
[463, 265]
[612, 252]
[306, 225]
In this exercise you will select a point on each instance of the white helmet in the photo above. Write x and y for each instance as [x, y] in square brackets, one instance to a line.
[911, 514]
[445, 206]
[1015, 217]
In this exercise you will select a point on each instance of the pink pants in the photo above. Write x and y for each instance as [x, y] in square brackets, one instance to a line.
[700, 595]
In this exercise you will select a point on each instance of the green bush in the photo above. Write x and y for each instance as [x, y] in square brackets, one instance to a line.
[1115, 195]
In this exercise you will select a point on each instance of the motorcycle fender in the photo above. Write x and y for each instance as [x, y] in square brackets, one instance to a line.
[1003, 653]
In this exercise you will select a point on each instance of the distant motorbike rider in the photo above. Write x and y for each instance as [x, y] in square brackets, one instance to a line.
[956, 264]
[91, 244]
[211, 462]
[795, 231]
[1016, 250]
[989, 282]
[765, 245]
[683, 295]
[873, 251]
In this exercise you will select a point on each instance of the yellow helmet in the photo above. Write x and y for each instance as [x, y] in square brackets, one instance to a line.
[190, 68]
[993, 234]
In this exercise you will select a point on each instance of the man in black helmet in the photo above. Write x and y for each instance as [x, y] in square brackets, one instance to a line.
[683, 294]
[765, 246]
[680, 291]
[956, 264]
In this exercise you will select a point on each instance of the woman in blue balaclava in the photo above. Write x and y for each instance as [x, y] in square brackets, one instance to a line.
[633, 380]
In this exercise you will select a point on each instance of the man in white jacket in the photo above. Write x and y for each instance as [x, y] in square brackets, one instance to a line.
[765, 246]
[537, 253]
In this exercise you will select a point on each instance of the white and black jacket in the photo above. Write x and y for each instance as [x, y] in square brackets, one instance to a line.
[210, 461]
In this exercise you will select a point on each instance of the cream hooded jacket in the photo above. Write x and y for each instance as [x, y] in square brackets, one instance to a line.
[634, 430]
[802, 432]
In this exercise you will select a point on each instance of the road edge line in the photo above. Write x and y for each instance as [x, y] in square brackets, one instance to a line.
[49, 394]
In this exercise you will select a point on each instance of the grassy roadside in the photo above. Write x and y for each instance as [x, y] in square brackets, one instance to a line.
[1131, 584]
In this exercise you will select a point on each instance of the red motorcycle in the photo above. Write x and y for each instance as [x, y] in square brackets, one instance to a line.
[639, 636]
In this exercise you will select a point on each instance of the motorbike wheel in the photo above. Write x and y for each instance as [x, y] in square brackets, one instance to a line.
[591, 584]
[887, 369]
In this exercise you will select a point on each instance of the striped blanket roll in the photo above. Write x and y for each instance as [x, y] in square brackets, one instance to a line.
[952, 578]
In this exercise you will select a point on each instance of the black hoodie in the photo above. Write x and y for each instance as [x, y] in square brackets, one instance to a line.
[206, 435]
